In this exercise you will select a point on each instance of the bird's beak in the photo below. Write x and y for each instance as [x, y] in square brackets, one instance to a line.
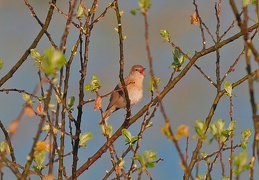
[143, 71]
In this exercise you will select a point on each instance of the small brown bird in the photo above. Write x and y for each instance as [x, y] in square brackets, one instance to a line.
[134, 85]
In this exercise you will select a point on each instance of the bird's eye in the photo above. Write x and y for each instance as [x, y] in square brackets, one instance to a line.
[136, 69]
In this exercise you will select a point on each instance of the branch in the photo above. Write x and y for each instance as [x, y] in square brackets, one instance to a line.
[32, 46]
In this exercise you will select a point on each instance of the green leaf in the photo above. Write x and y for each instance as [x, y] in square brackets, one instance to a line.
[84, 138]
[107, 129]
[178, 58]
[27, 99]
[246, 2]
[144, 5]
[4, 148]
[80, 12]
[204, 154]
[150, 155]
[39, 158]
[152, 84]
[88, 87]
[200, 129]
[243, 145]
[133, 140]
[232, 125]
[52, 60]
[246, 134]
[94, 84]
[147, 160]
[150, 124]
[254, 2]
[150, 164]
[217, 128]
[165, 130]
[46, 128]
[127, 135]
[165, 35]
[241, 162]
[35, 55]
[228, 88]
[141, 161]
[1, 63]
[122, 162]
[71, 102]
[129, 139]
[134, 11]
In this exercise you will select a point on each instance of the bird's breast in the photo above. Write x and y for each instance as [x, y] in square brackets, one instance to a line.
[135, 96]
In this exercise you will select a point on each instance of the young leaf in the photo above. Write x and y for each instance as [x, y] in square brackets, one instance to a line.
[129, 139]
[246, 135]
[144, 5]
[80, 12]
[147, 160]
[200, 129]
[46, 128]
[134, 11]
[179, 59]
[152, 84]
[182, 130]
[127, 135]
[246, 2]
[71, 102]
[52, 60]
[241, 162]
[140, 160]
[150, 155]
[228, 88]
[107, 129]
[94, 85]
[165, 130]
[95, 82]
[27, 99]
[232, 125]
[88, 87]
[1, 63]
[84, 138]
[4, 148]
[35, 55]
[39, 158]
[165, 34]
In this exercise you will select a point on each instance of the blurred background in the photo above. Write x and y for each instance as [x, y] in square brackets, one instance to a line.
[190, 99]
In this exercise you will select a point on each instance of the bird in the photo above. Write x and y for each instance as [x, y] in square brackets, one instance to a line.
[134, 85]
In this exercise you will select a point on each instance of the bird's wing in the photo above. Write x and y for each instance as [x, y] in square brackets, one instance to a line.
[115, 96]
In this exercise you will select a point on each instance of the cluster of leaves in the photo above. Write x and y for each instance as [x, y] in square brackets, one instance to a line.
[147, 160]
[152, 82]
[50, 62]
[129, 139]
[94, 84]
[144, 5]
[178, 57]
[42, 147]
[221, 133]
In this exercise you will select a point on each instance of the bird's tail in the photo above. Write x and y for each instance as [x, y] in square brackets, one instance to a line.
[106, 115]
